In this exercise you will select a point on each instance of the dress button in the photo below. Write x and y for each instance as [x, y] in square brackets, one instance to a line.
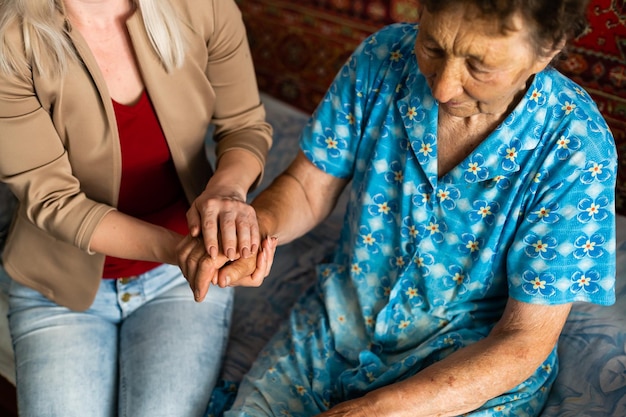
[126, 297]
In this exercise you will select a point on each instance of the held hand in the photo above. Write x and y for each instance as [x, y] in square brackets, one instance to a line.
[224, 218]
[360, 407]
[249, 272]
[197, 266]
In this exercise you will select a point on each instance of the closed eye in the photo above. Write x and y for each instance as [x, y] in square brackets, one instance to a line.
[477, 69]
[432, 51]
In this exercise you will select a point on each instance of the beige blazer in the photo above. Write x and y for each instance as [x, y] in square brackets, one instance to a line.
[59, 145]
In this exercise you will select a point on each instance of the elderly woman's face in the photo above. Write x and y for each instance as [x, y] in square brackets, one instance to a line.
[471, 67]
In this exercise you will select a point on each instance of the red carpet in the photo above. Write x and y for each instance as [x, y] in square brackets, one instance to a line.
[299, 46]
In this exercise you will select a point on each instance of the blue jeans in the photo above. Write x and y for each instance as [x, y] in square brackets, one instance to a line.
[144, 348]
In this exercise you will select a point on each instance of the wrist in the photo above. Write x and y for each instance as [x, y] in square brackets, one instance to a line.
[169, 253]
[227, 187]
[267, 223]
[237, 170]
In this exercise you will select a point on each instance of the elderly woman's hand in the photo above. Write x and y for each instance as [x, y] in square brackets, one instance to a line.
[359, 407]
[225, 222]
[249, 272]
[200, 269]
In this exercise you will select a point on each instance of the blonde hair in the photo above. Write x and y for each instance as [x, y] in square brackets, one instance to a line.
[48, 48]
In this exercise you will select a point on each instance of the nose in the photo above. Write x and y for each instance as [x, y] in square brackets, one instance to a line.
[447, 82]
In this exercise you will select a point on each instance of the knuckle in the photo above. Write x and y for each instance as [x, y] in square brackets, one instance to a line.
[205, 263]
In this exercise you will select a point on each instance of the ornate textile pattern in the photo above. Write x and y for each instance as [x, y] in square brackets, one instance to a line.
[299, 46]
[597, 61]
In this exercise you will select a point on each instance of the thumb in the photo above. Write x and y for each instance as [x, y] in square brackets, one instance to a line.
[237, 273]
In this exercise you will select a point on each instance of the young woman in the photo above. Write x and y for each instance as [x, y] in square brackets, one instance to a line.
[104, 109]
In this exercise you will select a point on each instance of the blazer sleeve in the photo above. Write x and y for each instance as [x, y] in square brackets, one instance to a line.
[239, 115]
[34, 164]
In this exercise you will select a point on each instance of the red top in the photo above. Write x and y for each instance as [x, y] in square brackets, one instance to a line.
[150, 189]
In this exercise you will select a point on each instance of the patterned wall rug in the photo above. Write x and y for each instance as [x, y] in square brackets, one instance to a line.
[299, 46]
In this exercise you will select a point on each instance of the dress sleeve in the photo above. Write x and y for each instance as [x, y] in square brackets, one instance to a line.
[334, 138]
[565, 245]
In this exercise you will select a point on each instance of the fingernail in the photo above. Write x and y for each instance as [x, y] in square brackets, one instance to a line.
[245, 252]
[254, 248]
[197, 295]
[213, 252]
[230, 254]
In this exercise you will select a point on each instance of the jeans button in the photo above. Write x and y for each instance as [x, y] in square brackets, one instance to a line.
[126, 297]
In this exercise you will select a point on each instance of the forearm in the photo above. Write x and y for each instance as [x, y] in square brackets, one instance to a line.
[458, 384]
[236, 172]
[297, 200]
[282, 210]
[471, 376]
[123, 236]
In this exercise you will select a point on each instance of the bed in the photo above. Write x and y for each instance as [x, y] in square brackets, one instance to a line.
[592, 347]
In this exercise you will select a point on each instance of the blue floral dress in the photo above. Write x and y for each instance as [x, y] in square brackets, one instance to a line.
[426, 264]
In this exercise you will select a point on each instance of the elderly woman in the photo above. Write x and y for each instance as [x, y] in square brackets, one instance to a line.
[104, 110]
[481, 206]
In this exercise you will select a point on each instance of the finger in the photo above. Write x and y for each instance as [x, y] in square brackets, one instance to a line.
[266, 260]
[255, 236]
[210, 217]
[192, 262]
[237, 273]
[261, 266]
[243, 237]
[228, 234]
[247, 231]
[184, 248]
[193, 221]
[271, 253]
[205, 274]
